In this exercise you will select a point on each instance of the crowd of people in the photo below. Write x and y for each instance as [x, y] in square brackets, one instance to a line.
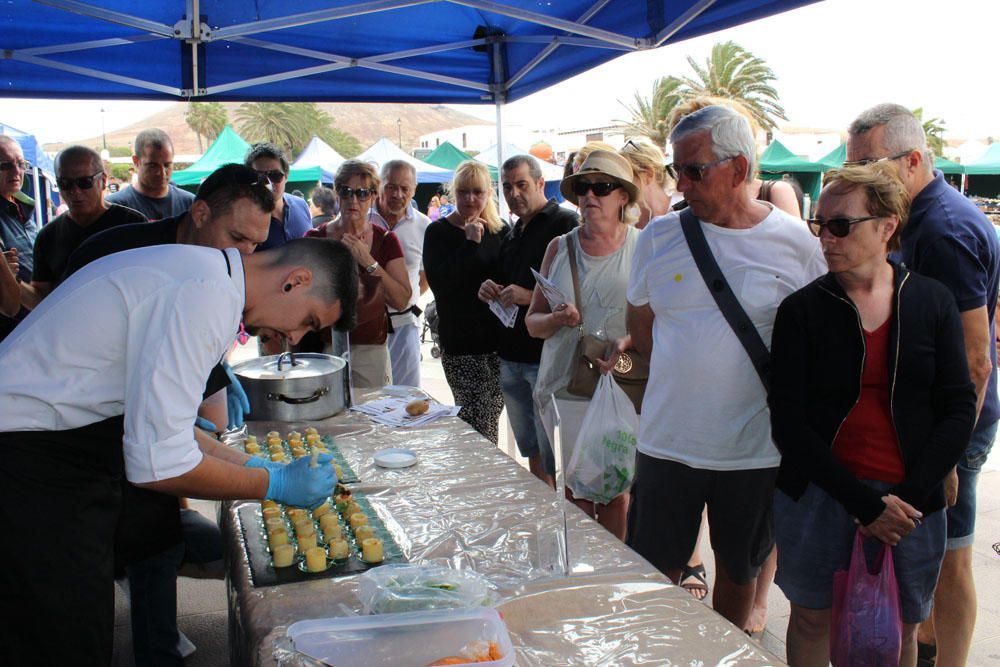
[809, 378]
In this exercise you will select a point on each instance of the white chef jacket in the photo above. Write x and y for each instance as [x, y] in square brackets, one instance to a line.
[135, 334]
[410, 232]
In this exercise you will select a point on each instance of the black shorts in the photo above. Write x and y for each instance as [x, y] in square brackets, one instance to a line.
[665, 515]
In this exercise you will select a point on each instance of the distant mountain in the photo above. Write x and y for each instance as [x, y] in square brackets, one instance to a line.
[367, 122]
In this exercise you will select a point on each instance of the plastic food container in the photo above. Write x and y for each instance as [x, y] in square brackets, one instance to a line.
[410, 639]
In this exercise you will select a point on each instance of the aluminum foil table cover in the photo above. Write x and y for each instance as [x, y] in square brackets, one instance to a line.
[467, 505]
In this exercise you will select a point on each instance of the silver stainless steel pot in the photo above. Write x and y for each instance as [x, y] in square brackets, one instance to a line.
[295, 387]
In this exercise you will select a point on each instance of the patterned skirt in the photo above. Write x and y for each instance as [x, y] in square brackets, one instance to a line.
[475, 383]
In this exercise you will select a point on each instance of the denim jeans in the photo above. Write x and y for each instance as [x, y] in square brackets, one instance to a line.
[517, 382]
[962, 517]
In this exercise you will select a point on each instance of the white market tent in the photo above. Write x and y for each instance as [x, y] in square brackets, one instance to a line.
[320, 154]
[383, 151]
[550, 172]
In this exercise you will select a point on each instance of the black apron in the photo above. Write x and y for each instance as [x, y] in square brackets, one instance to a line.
[60, 495]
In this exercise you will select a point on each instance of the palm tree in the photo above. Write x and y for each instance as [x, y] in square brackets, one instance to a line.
[734, 73]
[206, 119]
[934, 130]
[291, 125]
[650, 116]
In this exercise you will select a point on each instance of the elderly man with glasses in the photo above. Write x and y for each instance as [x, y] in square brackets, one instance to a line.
[291, 218]
[153, 194]
[704, 432]
[81, 180]
[949, 239]
[17, 228]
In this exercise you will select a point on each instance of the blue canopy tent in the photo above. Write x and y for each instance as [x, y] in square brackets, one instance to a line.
[431, 51]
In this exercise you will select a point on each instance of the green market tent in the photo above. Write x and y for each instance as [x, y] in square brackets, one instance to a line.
[449, 156]
[835, 158]
[947, 166]
[777, 160]
[230, 147]
[988, 164]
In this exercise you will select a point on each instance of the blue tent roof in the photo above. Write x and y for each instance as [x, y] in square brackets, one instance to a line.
[440, 51]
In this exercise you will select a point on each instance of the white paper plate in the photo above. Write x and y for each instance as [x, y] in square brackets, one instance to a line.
[395, 458]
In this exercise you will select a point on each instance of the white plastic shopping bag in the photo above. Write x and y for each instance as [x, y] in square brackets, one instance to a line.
[603, 462]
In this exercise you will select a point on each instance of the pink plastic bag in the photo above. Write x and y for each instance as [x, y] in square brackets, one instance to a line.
[866, 621]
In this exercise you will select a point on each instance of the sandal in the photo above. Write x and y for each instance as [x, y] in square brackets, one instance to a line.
[693, 581]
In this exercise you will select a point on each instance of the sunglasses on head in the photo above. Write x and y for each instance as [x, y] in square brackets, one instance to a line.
[8, 165]
[693, 172]
[274, 175]
[362, 194]
[839, 227]
[80, 182]
[603, 189]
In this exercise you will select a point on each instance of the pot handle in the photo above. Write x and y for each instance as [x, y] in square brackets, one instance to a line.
[311, 398]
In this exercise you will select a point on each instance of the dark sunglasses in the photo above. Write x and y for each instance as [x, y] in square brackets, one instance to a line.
[362, 194]
[580, 188]
[693, 172]
[81, 182]
[839, 227]
[9, 165]
[275, 175]
[875, 160]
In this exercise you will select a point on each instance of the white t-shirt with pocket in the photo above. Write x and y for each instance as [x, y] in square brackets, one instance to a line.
[705, 405]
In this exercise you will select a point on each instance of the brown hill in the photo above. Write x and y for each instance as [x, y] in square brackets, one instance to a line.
[367, 122]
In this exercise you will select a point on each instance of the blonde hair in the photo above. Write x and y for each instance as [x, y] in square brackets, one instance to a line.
[885, 194]
[351, 168]
[688, 107]
[644, 156]
[586, 150]
[475, 174]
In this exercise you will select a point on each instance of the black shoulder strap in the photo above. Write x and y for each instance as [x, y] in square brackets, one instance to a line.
[229, 267]
[719, 288]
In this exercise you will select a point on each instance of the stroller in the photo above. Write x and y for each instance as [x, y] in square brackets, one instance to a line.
[431, 327]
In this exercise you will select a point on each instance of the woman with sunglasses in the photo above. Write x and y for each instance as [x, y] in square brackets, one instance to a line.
[381, 271]
[460, 251]
[604, 190]
[871, 407]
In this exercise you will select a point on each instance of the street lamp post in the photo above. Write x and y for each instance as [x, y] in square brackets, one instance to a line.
[104, 135]
[399, 131]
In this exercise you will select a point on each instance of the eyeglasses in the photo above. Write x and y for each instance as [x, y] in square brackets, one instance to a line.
[9, 165]
[839, 227]
[693, 172]
[362, 194]
[630, 146]
[81, 182]
[875, 160]
[274, 175]
[580, 188]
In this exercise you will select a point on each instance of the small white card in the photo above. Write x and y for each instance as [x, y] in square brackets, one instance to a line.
[507, 315]
[552, 294]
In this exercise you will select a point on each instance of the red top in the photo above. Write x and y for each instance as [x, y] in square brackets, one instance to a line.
[867, 442]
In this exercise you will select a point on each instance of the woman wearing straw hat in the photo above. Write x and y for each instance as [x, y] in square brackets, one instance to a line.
[604, 190]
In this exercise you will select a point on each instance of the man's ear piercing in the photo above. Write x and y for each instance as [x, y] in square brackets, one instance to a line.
[288, 288]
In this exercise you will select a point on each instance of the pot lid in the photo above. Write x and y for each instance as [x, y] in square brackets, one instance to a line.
[289, 366]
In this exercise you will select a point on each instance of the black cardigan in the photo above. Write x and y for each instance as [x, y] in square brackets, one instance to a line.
[817, 359]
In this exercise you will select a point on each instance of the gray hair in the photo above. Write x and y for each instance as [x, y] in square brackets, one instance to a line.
[78, 153]
[512, 163]
[393, 165]
[903, 132]
[325, 199]
[729, 133]
[154, 138]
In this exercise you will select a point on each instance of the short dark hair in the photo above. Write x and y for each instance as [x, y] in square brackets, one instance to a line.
[335, 273]
[266, 149]
[232, 182]
[79, 152]
[512, 163]
[154, 138]
[325, 199]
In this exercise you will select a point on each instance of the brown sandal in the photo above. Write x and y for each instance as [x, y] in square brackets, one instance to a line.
[693, 581]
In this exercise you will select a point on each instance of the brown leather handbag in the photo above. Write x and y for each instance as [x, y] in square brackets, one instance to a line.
[631, 371]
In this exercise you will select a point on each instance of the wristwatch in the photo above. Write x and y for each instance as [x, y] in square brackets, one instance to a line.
[372, 268]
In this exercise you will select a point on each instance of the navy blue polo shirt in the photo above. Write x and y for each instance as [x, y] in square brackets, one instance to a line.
[947, 238]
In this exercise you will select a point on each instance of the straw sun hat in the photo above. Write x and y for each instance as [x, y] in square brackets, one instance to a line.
[604, 163]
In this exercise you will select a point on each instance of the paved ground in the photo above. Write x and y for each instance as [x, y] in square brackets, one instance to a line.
[202, 614]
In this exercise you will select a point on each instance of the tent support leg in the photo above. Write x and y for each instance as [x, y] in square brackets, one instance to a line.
[39, 199]
[501, 202]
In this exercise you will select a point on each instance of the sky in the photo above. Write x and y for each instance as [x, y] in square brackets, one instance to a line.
[832, 60]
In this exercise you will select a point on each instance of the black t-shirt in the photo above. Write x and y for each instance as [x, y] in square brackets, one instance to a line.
[522, 251]
[62, 236]
[127, 237]
[455, 268]
[176, 202]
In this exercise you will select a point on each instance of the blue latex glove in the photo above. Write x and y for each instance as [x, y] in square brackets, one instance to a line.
[300, 485]
[266, 464]
[237, 403]
[205, 425]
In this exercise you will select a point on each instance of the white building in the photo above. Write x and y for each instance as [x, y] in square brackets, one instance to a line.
[474, 138]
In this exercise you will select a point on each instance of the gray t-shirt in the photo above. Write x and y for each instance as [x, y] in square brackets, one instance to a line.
[175, 203]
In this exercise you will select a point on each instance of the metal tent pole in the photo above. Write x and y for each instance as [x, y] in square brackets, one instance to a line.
[39, 198]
